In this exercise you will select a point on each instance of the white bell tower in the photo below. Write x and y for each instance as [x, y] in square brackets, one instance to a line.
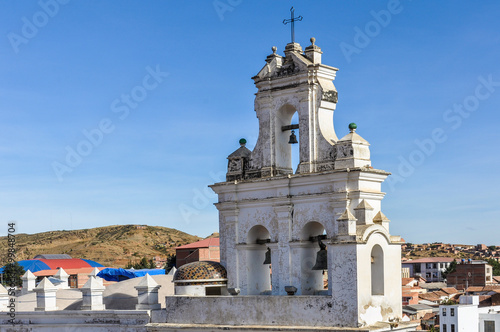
[270, 214]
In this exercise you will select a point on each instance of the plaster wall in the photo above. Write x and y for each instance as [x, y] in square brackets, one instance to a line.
[373, 308]
[253, 310]
[78, 321]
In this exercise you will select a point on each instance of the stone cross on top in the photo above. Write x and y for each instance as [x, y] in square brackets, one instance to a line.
[292, 21]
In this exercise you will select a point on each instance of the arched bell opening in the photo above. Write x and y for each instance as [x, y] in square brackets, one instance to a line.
[377, 270]
[294, 142]
[314, 262]
[287, 151]
[259, 274]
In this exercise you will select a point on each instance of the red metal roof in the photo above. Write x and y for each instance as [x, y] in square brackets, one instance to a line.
[211, 242]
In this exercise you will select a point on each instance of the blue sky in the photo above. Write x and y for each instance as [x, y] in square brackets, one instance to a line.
[421, 80]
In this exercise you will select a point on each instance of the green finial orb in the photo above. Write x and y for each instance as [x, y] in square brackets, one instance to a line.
[243, 141]
[352, 125]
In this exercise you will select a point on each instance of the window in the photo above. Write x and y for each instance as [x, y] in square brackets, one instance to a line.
[452, 327]
[452, 311]
[444, 312]
[444, 327]
[489, 326]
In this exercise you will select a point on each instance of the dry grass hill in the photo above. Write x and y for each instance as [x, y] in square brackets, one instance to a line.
[111, 245]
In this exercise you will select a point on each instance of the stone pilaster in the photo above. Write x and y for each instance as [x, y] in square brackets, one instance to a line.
[343, 281]
[347, 227]
[284, 218]
[147, 296]
[381, 219]
[92, 295]
[29, 280]
[228, 230]
[63, 276]
[45, 296]
[364, 213]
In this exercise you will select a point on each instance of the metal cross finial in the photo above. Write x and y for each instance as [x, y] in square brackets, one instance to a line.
[292, 20]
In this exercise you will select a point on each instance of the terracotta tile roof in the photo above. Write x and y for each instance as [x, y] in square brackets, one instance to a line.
[429, 297]
[428, 316]
[474, 289]
[450, 290]
[491, 288]
[406, 281]
[497, 279]
[211, 242]
[440, 293]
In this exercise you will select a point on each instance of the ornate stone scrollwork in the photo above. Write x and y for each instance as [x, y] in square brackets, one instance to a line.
[331, 96]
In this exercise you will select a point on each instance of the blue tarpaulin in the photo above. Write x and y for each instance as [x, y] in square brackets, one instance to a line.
[112, 274]
[34, 265]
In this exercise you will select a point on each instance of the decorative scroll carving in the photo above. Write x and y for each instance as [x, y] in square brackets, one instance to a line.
[331, 96]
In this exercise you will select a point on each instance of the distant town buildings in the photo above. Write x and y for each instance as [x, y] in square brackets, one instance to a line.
[480, 251]
[431, 268]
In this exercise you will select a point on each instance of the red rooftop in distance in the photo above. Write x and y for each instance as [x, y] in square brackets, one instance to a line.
[204, 250]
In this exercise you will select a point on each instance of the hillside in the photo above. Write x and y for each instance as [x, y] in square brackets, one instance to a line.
[111, 245]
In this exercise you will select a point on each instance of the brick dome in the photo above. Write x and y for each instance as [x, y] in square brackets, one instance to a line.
[203, 270]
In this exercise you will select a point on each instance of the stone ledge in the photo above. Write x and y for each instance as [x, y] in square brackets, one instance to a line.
[157, 327]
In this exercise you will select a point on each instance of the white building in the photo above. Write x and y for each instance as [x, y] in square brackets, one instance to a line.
[431, 268]
[468, 317]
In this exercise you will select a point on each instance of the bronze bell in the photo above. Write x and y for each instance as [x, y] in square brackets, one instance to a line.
[293, 138]
[321, 257]
[268, 256]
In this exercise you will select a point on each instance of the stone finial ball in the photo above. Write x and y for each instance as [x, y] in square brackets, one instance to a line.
[243, 141]
[313, 40]
[352, 125]
[274, 48]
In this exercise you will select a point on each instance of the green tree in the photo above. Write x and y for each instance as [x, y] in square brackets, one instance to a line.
[171, 261]
[448, 302]
[450, 269]
[495, 265]
[492, 248]
[12, 274]
[144, 263]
